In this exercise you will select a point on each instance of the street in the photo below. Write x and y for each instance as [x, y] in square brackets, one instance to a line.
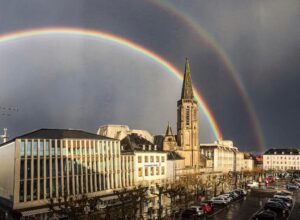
[246, 207]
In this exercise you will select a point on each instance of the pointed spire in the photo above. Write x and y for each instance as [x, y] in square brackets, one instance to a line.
[187, 88]
[169, 130]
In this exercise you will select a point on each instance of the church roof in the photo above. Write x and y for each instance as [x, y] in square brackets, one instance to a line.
[172, 155]
[169, 130]
[136, 142]
[187, 87]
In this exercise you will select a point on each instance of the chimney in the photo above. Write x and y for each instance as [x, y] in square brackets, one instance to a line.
[4, 136]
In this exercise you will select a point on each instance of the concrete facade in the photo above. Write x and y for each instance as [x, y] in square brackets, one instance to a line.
[36, 169]
[282, 159]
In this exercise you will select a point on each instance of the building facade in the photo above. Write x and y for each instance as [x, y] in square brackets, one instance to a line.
[224, 155]
[281, 159]
[149, 160]
[51, 163]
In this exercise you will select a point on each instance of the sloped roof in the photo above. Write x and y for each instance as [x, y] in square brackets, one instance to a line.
[172, 155]
[283, 151]
[134, 142]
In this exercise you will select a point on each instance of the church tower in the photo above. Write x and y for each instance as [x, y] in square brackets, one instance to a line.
[187, 122]
[169, 142]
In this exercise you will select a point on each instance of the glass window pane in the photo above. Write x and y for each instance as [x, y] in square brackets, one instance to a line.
[29, 147]
[22, 149]
[41, 148]
[35, 148]
[47, 148]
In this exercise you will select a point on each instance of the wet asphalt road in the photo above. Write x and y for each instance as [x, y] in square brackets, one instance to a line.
[245, 208]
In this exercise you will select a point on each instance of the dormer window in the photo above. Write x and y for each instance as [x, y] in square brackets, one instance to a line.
[282, 152]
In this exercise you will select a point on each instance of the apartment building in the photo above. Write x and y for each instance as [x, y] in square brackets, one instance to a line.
[150, 162]
[224, 155]
[281, 159]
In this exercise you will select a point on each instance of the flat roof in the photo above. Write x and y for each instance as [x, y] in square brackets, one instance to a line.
[46, 133]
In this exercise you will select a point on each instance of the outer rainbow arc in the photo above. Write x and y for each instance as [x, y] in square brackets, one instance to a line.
[123, 41]
[224, 58]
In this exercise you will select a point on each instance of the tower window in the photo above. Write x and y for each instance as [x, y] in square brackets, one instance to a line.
[187, 116]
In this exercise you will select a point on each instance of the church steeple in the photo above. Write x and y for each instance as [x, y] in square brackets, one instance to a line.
[187, 121]
[169, 130]
[187, 88]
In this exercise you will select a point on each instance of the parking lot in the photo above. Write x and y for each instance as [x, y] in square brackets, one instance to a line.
[245, 208]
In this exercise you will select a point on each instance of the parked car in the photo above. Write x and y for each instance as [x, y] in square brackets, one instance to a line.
[198, 209]
[276, 207]
[288, 204]
[241, 191]
[219, 200]
[265, 215]
[292, 186]
[210, 203]
[226, 196]
[189, 214]
[207, 208]
[252, 184]
[283, 195]
[270, 179]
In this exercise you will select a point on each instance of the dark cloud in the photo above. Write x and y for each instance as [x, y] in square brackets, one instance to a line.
[260, 37]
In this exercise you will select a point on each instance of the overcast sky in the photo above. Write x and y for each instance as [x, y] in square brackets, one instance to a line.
[79, 83]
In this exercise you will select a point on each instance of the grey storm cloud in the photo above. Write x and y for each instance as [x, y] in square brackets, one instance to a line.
[260, 37]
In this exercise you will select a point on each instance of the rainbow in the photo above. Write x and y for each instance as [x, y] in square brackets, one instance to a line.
[122, 41]
[214, 46]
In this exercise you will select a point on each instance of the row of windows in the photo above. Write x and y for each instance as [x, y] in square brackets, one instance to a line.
[151, 159]
[151, 171]
[62, 166]
[34, 147]
[281, 162]
[277, 158]
[77, 185]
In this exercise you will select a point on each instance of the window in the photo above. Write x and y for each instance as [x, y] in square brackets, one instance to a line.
[53, 148]
[29, 148]
[162, 159]
[47, 149]
[41, 168]
[152, 171]
[157, 159]
[35, 148]
[162, 170]
[58, 148]
[187, 116]
[146, 159]
[146, 171]
[41, 148]
[28, 169]
[157, 171]
[139, 159]
[22, 191]
[151, 159]
[140, 172]
[22, 149]
[22, 171]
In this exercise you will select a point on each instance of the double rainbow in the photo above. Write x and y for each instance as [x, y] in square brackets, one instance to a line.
[122, 41]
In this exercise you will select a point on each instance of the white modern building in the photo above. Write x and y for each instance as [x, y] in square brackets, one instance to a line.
[51, 163]
[282, 159]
